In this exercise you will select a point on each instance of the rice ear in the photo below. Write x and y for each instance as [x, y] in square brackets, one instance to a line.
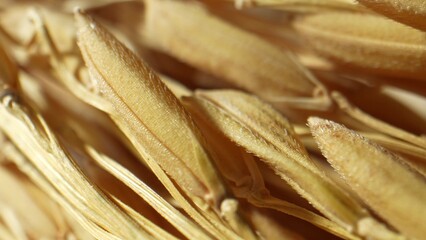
[122, 84]
[367, 42]
[215, 46]
[367, 167]
[261, 130]
[156, 123]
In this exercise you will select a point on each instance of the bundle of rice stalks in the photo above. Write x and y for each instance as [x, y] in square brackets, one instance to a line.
[212, 119]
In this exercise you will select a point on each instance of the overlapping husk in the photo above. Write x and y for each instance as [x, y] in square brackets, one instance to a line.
[188, 119]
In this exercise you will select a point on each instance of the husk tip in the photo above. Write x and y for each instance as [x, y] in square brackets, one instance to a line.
[316, 122]
[77, 10]
[82, 19]
[323, 129]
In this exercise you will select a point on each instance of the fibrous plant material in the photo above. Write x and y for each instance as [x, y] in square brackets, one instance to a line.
[206, 119]
[31, 135]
